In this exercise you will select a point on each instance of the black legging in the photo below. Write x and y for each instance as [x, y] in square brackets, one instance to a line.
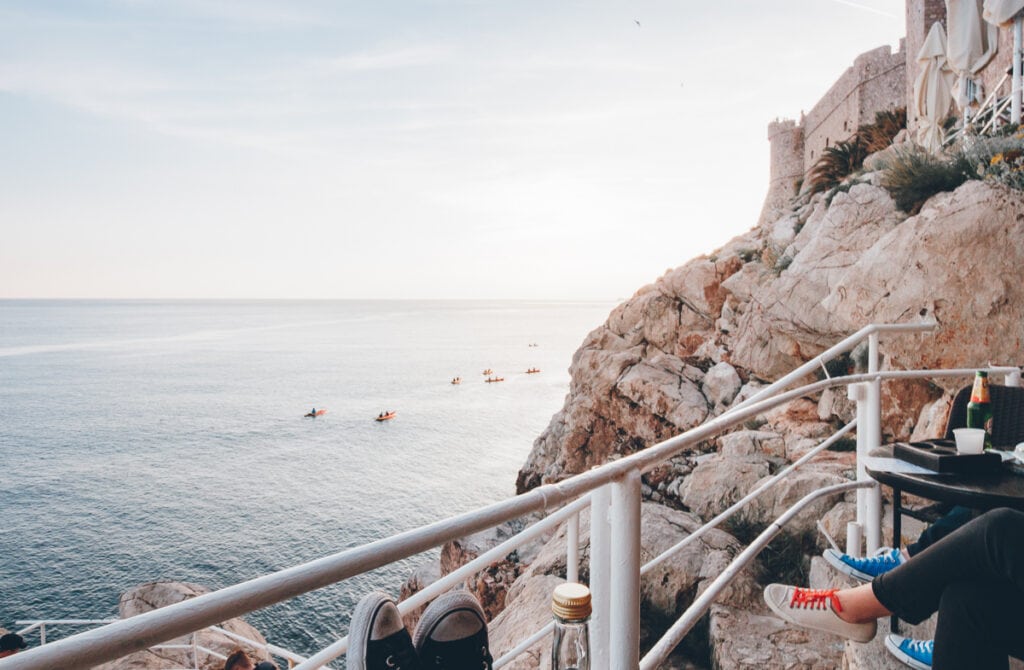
[974, 579]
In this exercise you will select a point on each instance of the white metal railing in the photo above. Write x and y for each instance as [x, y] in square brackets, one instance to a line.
[675, 634]
[41, 625]
[612, 491]
[992, 113]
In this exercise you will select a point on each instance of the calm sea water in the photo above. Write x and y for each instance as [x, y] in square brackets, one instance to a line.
[165, 440]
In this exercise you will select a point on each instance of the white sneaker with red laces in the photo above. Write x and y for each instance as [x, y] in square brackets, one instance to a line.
[817, 609]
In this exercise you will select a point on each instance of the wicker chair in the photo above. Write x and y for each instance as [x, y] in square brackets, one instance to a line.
[1007, 414]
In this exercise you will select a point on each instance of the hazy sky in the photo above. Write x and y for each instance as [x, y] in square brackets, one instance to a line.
[382, 149]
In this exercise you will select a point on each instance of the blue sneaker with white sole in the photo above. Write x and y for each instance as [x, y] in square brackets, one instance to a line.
[915, 653]
[864, 569]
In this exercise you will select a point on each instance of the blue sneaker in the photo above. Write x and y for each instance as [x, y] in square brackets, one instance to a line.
[864, 569]
[915, 653]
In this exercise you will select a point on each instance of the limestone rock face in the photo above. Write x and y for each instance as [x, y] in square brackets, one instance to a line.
[670, 587]
[721, 384]
[422, 577]
[155, 595]
[710, 333]
[744, 639]
[490, 585]
[959, 262]
[527, 613]
[780, 294]
[720, 481]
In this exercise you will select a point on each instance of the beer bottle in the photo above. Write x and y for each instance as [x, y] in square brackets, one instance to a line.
[570, 645]
[979, 409]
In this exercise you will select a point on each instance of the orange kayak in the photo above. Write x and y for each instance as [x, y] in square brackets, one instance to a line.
[319, 412]
[386, 417]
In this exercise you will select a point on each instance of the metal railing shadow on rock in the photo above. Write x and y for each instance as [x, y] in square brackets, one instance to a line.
[613, 491]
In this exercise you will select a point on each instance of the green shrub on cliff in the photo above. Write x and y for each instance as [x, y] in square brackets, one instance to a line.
[879, 135]
[836, 164]
[913, 175]
[1001, 159]
[840, 161]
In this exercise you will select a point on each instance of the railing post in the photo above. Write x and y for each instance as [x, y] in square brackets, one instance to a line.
[1015, 86]
[625, 595]
[42, 634]
[858, 393]
[600, 576]
[873, 430]
[195, 650]
[572, 549]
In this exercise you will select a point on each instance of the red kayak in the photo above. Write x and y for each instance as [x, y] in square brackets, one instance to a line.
[319, 412]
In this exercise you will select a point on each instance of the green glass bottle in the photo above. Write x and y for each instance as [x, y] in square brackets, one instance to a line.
[979, 409]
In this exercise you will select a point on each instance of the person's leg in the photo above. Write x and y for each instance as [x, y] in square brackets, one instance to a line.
[866, 568]
[989, 548]
[979, 625]
[945, 525]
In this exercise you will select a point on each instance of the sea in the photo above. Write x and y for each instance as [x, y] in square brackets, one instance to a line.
[166, 440]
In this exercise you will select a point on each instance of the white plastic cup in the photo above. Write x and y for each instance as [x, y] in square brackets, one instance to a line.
[969, 440]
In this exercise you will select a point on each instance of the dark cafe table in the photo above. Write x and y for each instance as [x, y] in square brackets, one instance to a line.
[1003, 487]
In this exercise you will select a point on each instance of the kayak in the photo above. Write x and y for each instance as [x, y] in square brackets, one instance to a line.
[319, 412]
[386, 417]
[491, 380]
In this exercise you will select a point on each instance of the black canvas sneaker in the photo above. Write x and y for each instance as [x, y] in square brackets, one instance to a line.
[377, 639]
[452, 634]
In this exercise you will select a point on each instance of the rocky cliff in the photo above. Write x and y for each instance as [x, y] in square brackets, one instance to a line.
[687, 346]
[708, 334]
[154, 595]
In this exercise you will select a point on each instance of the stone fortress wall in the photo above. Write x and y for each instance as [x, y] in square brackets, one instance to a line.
[875, 82]
[878, 80]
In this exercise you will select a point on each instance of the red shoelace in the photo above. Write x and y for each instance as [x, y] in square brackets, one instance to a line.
[815, 598]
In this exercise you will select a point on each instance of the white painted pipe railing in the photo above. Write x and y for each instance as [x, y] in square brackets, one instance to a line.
[675, 634]
[600, 577]
[524, 645]
[624, 648]
[193, 645]
[615, 565]
[1015, 93]
[844, 346]
[456, 577]
[126, 636]
[745, 500]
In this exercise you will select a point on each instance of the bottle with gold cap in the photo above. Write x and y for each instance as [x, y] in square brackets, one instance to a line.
[570, 646]
[979, 409]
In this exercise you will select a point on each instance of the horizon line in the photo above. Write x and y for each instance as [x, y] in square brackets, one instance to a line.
[221, 299]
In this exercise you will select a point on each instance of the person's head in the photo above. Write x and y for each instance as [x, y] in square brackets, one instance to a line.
[10, 644]
[238, 660]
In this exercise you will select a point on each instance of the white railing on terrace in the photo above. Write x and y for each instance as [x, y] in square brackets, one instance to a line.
[613, 491]
[198, 651]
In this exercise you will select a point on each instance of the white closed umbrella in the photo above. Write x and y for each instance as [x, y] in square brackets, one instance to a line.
[933, 89]
[1005, 13]
[1002, 12]
[970, 45]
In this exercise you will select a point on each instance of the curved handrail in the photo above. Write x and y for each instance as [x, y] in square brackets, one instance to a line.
[675, 634]
[129, 635]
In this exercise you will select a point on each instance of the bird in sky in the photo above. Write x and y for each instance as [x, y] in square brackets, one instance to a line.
[636, 22]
